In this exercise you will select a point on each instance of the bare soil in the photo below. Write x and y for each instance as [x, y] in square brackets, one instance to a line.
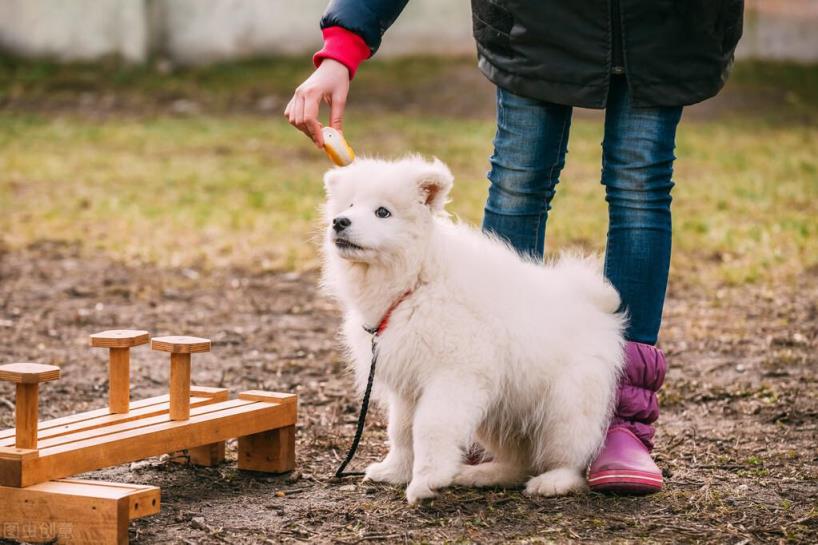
[736, 440]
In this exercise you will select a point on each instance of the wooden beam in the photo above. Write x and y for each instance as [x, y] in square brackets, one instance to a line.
[74, 512]
[208, 455]
[218, 424]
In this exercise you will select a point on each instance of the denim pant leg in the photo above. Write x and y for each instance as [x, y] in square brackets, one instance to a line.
[637, 166]
[529, 153]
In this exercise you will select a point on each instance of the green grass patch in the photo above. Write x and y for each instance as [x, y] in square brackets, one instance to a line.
[245, 190]
[232, 187]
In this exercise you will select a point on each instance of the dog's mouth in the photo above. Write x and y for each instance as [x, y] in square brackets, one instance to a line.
[345, 244]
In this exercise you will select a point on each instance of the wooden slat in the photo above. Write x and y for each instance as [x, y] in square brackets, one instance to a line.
[127, 446]
[219, 394]
[272, 397]
[88, 415]
[135, 424]
[213, 394]
[74, 512]
[108, 420]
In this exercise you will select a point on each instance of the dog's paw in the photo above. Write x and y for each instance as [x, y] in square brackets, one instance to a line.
[557, 482]
[388, 472]
[419, 490]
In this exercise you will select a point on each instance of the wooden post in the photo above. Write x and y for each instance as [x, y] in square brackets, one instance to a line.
[179, 386]
[27, 377]
[25, 415]
[180, 349]
[119, 380]
[119, 342]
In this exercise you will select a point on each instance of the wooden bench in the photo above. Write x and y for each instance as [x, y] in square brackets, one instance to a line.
[194, 420]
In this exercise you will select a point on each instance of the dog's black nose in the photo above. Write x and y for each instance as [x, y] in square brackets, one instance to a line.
[339, 224]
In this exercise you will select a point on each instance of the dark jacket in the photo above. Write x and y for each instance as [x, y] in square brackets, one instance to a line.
[673, 52]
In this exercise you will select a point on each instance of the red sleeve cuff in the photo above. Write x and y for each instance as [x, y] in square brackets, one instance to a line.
[343, 46]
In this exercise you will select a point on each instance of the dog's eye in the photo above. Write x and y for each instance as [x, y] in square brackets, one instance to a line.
[382, 212]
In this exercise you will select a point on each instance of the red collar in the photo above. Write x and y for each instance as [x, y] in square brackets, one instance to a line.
[381, 327]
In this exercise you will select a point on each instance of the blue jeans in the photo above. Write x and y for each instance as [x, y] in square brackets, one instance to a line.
[637, 165]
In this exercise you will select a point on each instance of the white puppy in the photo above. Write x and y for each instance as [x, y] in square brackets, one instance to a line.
[482, 345]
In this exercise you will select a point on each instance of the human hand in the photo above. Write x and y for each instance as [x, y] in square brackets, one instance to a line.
[329, 83]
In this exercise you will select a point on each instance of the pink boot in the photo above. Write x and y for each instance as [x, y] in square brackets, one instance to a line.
[624, 465]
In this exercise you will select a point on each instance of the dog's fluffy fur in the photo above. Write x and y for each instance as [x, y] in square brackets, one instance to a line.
[489, 347]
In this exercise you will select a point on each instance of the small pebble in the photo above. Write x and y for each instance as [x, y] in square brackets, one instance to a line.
[347, 488]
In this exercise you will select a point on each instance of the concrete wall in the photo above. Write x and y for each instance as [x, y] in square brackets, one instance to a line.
[74, 29]
[202, 31]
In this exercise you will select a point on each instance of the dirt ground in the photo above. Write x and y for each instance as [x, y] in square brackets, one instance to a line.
[737, 436]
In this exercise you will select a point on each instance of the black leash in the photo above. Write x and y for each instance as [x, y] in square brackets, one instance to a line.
[340, 473]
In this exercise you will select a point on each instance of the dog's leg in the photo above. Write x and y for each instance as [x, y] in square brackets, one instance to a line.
[568, 442]
[494, 473]
[396, 468]
[447, 415]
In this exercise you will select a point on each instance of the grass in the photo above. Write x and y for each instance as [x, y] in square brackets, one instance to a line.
[238, 188]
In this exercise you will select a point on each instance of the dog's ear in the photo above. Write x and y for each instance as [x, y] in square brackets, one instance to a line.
[434, 182]
[331, 178]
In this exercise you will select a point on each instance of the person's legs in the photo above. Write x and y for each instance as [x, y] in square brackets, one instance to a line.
[637, 159]
[529, 153]
[637, 165]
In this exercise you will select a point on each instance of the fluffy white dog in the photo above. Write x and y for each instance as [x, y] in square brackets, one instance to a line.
[481, 344]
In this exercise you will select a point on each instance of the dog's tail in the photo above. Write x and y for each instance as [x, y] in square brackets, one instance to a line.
[586, 271]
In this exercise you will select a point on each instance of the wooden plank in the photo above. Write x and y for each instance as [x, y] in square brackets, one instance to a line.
[270, 451]
[134, 424]
[272, 397]
[219, 394]
[216, 394]
[143, 500]
[127, 446]
[108, 420]
[74, 512]
[88, 415]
